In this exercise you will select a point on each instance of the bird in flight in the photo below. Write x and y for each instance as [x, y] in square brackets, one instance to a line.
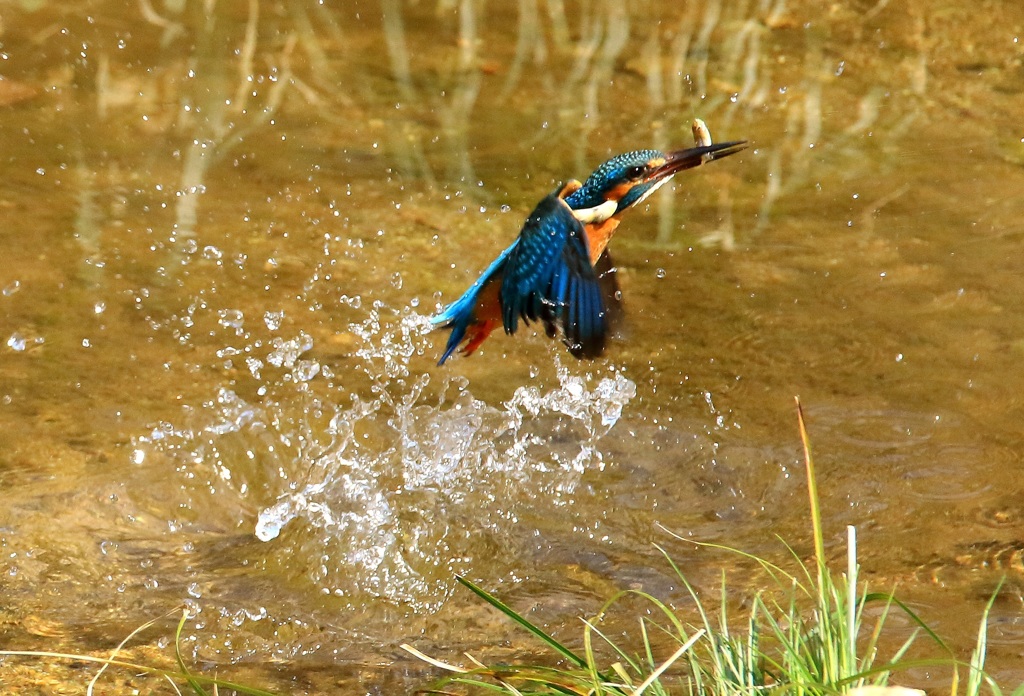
[553, 272]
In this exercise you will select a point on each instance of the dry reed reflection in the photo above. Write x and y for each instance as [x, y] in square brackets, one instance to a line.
[707, 60]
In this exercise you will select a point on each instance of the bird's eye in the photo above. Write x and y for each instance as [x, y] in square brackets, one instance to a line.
[635, 172]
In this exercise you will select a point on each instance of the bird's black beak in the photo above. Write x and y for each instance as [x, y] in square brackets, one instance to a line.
[678, 160]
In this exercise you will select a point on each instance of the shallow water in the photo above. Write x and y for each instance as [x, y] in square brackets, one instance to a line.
[224, 234]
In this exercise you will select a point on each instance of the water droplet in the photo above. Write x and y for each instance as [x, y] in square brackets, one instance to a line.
[12, 288]
[273, 320]
[273, 519]
[306, 370]
[254, 365]
[661, 273]
[230, 318]
[286, 352]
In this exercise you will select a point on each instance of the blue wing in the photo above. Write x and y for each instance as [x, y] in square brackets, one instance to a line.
[548, 278]
[460, 314]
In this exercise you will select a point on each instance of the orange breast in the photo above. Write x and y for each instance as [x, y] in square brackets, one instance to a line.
[599, 235]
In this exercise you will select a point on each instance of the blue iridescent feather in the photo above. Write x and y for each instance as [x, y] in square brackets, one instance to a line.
[548, 278]
[460, 314]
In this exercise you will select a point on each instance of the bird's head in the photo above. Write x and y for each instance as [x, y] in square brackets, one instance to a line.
[629, 178]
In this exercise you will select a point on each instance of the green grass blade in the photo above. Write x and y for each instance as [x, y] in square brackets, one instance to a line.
[976, 676]
[852, 623]
[653, 677]
[192, 681]
[114, 654]
[588, 647]
[773, 570]
[812, 490]
[525, 623]
[887, 597]
[591, 628]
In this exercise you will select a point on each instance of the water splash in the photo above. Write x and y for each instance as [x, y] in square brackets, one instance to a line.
[392, 493]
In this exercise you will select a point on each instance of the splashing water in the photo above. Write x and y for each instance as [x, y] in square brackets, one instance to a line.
[393, 493]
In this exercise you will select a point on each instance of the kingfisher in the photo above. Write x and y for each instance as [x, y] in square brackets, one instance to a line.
[558, 271]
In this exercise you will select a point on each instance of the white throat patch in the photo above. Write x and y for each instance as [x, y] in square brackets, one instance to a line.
[597, 214]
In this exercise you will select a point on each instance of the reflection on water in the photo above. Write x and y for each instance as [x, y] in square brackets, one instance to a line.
[227, 223]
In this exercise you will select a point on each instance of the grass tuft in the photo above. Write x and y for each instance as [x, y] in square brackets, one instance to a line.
[808, 635]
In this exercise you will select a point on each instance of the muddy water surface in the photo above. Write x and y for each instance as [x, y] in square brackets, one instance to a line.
[225, 224]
